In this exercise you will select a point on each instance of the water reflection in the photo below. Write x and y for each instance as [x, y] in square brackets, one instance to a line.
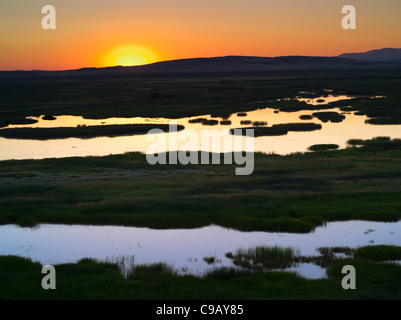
[184, 249]
[351, 127]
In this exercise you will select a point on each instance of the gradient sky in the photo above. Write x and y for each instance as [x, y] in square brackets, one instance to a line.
[89, 31]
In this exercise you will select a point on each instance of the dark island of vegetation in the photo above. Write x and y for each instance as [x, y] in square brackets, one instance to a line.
[280, 129]
[82, 132]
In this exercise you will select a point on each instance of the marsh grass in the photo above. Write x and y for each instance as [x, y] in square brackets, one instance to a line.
[83, 132]
[225, 273]
[91, 279]
[379, 252]
[197, 120]
[293, 193]
[210, 122]
[262, 257]
[211, 260]
[246, 122]
[126, 264]
[323, 147]
[280, 129]
[329, 116]
[160, 268]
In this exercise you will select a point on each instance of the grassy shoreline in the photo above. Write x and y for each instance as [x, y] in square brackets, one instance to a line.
[91, 279]
[294, 193]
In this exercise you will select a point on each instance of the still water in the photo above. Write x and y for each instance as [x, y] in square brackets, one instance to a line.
[352, 127]
[184, 249]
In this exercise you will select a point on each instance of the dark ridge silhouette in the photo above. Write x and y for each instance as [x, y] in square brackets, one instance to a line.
[224, 65]
[386, 54]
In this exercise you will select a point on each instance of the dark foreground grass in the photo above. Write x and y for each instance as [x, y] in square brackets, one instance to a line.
[89, 279]
[379, 252]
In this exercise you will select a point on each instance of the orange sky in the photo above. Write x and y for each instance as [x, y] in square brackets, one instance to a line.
[90, 32]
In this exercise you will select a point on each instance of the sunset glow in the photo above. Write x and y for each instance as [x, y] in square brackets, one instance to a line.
[124, 32]
[130, 56]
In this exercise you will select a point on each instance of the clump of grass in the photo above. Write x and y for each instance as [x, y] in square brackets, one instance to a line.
[331, 250]
[246, 122]
[242, 114]
[225, 273]
[49, 117]
[379, 252]
[197, 120]
[210, 260]
[323, 147]
[160, 268]
[259, 123]
[210, 122]
[225, 122]
[305, 117]
[381, 144]
[262, 257]
[329, 116]
[281, 129]
[355, 142]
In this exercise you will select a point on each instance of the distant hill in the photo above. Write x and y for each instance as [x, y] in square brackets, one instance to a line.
[386, 54]
[228, 65]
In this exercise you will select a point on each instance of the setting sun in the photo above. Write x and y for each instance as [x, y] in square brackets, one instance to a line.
[130, 56]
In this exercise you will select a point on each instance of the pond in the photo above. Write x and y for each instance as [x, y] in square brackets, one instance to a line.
[184, 249]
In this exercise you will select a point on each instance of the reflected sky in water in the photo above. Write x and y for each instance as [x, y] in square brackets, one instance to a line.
[182, 248]
[352, 127]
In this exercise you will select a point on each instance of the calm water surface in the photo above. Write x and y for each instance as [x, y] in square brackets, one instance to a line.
[182, 248]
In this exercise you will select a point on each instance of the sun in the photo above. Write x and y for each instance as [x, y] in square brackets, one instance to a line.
[130, 55]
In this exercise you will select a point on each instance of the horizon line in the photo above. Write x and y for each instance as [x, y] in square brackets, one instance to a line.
[193, 58]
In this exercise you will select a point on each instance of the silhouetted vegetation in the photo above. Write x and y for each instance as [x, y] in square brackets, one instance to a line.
[262, 257]
[323, 147]
[281, 129]
[210, 122]
[83, 132]
[329, 116]
[259, 123]
[49, 117]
